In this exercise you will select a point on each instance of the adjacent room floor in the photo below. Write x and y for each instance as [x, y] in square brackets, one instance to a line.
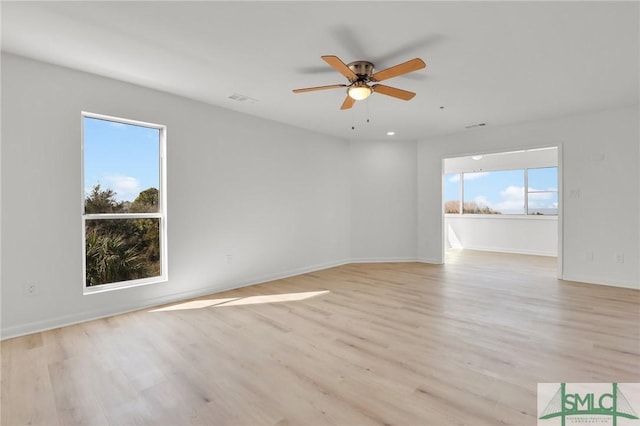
[395, 343]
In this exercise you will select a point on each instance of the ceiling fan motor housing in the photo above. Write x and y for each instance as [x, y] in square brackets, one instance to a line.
[363, 69]
[361, 74]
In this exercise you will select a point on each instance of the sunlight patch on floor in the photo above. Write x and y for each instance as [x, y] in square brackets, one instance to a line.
[239, 301]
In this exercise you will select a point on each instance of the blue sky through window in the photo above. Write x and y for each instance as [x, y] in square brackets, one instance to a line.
[122, 157]
[501, 191]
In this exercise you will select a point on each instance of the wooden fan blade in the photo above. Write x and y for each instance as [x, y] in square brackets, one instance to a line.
[311, 89]
[340, 66]
[348, 102]
[393, 91]
[403, 68]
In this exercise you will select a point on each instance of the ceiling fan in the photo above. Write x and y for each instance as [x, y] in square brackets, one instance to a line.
[361, 73]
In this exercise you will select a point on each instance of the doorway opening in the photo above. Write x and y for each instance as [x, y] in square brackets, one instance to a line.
[504, 202]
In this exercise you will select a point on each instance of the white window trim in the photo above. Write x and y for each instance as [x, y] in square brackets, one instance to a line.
[519, 216]
[161, 215]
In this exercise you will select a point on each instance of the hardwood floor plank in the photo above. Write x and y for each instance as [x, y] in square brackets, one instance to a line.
[24, 372]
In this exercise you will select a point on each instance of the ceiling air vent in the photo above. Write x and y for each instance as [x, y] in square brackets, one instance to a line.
[242, 98]
[471, 126]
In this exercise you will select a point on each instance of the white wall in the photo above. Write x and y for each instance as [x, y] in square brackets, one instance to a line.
[275, 197]
[599, 196]
[520, 159]
[383, 201]
[508, 234]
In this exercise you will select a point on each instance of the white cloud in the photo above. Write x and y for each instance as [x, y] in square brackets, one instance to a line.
[481, 200]
[509, 206]
[513, 193]
[512, 200]
[540, 196]
[127, 188]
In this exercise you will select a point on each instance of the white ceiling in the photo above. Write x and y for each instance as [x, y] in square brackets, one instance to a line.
[493, 62]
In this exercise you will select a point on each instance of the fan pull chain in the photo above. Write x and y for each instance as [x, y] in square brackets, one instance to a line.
[353, 119]
[367, 110]
[353, 116]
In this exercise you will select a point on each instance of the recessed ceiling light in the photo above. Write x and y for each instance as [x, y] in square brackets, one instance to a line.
[477, 157]
[391, 133]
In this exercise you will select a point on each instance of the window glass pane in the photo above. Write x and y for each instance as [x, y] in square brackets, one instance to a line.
[543, 203]
[496, 192]
[543, 179]
[121, 250]
[452, 193]
[543, 191]
[121, 167]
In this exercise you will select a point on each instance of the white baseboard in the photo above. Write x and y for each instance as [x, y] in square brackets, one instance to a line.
[605, 281]
[384, 260]
[290, 273]
[430, 261]
[511, 251]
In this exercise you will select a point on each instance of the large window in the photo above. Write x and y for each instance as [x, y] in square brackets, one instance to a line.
[123, 203]
[523, 191]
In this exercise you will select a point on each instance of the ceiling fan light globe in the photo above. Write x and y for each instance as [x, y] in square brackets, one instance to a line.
[359, 92]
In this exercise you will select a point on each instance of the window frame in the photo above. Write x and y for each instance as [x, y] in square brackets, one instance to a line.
[525, 214]
[161, 214]
[528, 190]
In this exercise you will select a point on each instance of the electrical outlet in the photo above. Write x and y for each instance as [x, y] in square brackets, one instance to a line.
[229, 259]
[620, 257]
[30, 289]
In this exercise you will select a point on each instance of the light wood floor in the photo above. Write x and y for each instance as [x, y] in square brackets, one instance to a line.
[382, 344]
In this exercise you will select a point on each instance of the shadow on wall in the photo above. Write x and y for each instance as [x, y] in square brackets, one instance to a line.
[452, 239]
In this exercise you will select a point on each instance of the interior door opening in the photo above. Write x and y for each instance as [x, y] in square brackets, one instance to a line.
[503, 202]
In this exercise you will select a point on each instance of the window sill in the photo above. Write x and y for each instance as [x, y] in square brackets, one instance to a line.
[123, 285]
[500, 216]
